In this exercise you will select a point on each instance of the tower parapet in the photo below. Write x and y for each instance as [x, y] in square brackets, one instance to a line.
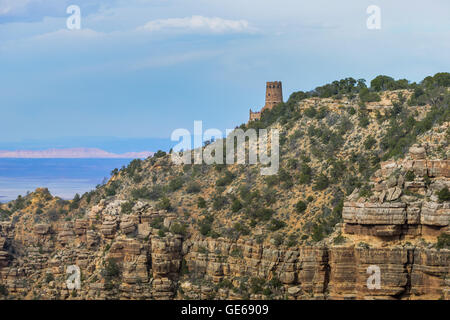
[274, 94]
[254, 115]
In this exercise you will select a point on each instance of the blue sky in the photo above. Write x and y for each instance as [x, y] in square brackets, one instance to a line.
[142, 68]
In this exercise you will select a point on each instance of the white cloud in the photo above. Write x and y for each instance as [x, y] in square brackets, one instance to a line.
[198, 24]
[12, 6]
[61, 39]
[69, 34]
[174, 59]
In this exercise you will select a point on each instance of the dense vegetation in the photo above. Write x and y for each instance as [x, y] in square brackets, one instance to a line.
[428, 90]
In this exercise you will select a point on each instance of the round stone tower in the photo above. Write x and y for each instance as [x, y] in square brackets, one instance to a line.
[274, 94]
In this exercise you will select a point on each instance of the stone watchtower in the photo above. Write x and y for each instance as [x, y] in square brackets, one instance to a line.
[274, 96]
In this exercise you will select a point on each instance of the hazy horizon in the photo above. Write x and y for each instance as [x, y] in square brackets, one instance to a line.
[63, 177]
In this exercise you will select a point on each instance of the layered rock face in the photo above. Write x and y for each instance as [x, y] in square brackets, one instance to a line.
[165, 268]
[327, 272]
[386, 251]
[151, 269]
[404, 204]
[302, 272]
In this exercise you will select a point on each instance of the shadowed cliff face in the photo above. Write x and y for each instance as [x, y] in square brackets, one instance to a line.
[376, 229]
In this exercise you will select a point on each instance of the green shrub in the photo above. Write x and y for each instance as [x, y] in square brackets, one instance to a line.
[276, 224]
[278, 239]
[270, 196]
[310, 112]
[111, 189]
[275, 283]
[427, 180]
[267, 292]
[322, 113]
[263, 214]
[133, 170]
[318, 233]
[305, 174]
[443, 241]
[338, 169]
[157, 223]
[444, 195]
[75, 202]
[366, 191]
[176, 184]
[159, 154]
[383, 83]
[112, 270]
[225, 283]
[241, 229]
[161, 233]
[286, 178]
[236, 205]
[300, 206]
[367, 96]
[410, 176]
[178, 228]
[237, 253]
[184, 268]
[206, 225]
[127, 207]
[364, 119]
[321, 183]
[201, 203]
[257, 285]
[226, 179]
[292, 240]
[144, 193]
[3, 290]
[219, 202]
[245, 192]
[271, 180]
[49, 278]
[292, 164]
[339, 239]
[369, 142]
[193, 187]
[164, 204]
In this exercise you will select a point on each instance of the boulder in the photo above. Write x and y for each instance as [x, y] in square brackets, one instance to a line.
[417, 152]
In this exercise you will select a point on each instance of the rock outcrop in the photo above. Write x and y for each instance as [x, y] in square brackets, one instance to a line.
[404, 203]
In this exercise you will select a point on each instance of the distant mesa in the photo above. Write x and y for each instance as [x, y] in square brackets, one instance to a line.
[73, 153]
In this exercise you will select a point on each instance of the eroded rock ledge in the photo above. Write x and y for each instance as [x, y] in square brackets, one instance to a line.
[404, 203]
